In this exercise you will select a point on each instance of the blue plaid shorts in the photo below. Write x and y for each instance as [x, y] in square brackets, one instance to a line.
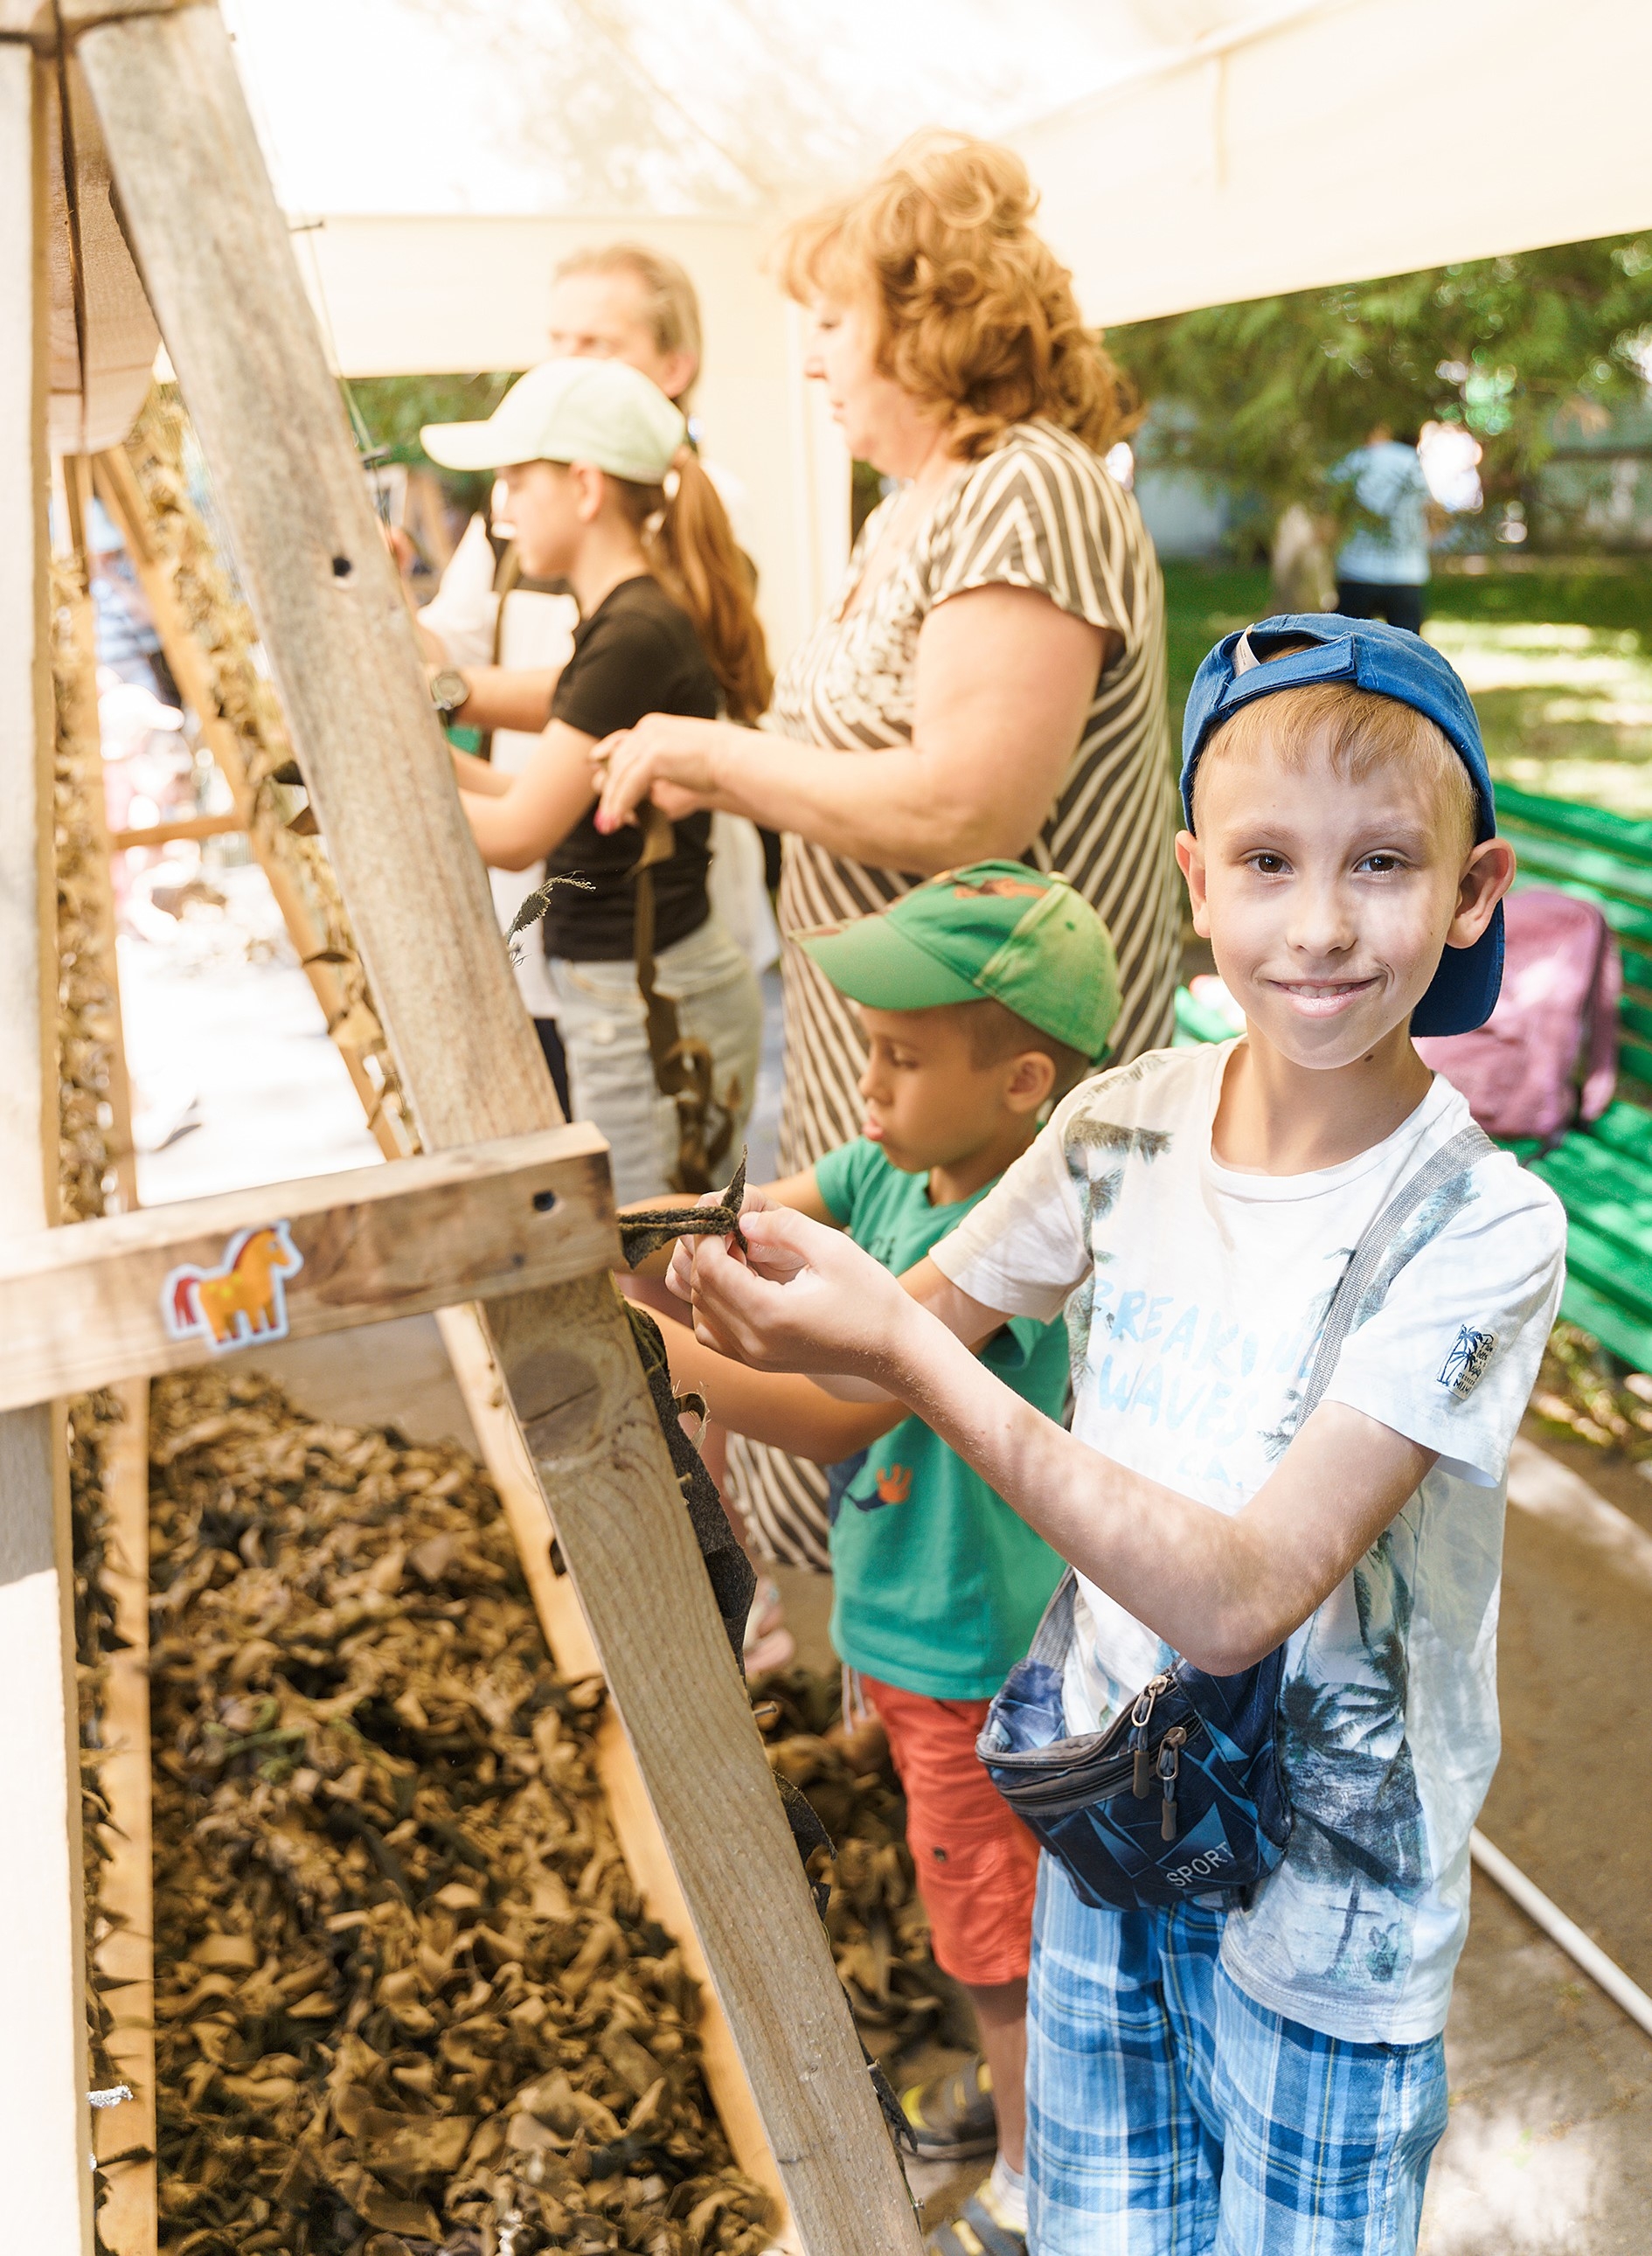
[1170, 2115]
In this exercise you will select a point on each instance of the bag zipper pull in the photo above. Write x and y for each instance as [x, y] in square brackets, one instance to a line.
[1170, 1762]
[1141, 1717]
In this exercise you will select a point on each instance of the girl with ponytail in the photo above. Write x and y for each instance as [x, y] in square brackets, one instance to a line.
[660, 1012]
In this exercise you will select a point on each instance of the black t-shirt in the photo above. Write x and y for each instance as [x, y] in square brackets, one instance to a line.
[637, 653]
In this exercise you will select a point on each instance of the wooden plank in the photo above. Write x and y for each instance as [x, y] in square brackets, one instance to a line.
[109, 1299]
[1629, 836]
[588, 1437]
[122, 496]
[217, 256]
[190, 826]
[1626, 1128]
[77, 14]
[567, 1635]
[45, 2136]
[129, 2220]
[92, 811]
[104, 333]
[1613, 1325]
[1566, 859]
[372, 644]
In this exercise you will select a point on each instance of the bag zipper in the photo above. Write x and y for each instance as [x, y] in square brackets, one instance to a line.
[1170, 1748]
[1093, 1776]
[1140, 1717]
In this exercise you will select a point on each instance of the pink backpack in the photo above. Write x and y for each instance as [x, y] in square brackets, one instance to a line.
[1548, 1055]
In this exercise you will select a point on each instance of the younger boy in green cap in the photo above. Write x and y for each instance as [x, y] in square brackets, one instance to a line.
[985, 994]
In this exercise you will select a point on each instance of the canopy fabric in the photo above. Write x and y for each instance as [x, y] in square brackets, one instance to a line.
[438, 156]
[1341, 141]
[1189, 152]
[646, 107]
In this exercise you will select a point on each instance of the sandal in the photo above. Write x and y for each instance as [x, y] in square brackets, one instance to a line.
[952, 2117]
[975, 2231]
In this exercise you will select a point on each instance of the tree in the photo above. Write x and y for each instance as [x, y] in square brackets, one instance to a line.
[1264, 397]
[387, 412]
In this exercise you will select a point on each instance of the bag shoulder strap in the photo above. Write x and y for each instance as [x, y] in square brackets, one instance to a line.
[682, 1067]
[1454, 1158]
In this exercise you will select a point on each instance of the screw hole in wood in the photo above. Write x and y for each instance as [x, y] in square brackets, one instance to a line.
[343, 569]
[543, 1202]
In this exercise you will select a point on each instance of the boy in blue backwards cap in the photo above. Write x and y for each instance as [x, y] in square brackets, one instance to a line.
[1269, 2078]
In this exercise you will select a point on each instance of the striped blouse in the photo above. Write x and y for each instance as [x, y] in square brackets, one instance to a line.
[1041, 511]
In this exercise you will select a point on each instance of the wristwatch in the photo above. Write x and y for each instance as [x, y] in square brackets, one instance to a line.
[449, 691]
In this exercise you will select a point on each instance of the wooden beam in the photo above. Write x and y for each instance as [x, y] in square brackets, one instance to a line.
[45, 2136]
[218, 261]
[110, 1299]
[118, 490]
[78, 723]
[129, 2220]
[190, 825]
[569, 1637]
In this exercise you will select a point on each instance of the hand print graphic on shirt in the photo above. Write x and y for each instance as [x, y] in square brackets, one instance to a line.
[1096, 1196]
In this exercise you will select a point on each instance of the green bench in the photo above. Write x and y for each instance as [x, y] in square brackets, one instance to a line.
[1601, 1174]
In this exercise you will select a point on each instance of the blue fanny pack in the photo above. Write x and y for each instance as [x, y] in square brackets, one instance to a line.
[1183, 1794]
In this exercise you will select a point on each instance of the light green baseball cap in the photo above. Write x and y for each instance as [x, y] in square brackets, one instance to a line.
[1026, 938]
[602, 411]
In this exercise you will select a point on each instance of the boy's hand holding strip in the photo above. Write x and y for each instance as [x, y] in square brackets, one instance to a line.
[646, 1230]
[805, 1298]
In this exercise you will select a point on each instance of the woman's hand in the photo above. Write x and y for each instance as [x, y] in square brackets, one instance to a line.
[807, 1300]
[668, 757]
[997, 667]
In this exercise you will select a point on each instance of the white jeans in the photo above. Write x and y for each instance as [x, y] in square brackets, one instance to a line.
[605, 1031]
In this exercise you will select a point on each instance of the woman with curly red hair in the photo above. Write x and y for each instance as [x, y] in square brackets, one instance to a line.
[989, 681]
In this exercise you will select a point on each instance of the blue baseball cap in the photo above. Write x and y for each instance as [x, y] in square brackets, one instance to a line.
[1391, 662]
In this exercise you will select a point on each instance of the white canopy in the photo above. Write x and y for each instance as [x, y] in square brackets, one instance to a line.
[438, 156]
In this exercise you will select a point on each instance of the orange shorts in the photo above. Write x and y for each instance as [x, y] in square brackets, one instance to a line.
[976, 1863]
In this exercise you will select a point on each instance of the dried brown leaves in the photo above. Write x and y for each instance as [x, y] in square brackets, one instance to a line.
[879, 1933]
[406, 1997]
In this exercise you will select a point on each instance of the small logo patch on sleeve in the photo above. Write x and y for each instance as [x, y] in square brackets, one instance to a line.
[1464, 1367]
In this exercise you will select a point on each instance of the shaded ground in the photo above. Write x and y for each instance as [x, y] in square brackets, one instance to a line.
[1571, 1802]
[1549, 2152]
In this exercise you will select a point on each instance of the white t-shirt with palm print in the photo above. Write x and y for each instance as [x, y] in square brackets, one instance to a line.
[1195, 1297]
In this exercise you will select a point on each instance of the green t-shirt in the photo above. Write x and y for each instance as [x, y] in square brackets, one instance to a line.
[939, 1586]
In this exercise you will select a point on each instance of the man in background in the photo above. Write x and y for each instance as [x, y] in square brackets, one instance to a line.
[1382, 567]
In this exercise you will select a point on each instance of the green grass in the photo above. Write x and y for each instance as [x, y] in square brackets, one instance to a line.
[1202, 603]
[1559, 665]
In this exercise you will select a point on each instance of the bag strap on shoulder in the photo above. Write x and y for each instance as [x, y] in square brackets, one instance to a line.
[682, 1067]
[1454, 1158]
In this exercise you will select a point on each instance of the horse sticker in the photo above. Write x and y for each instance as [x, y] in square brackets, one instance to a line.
[240, 1302]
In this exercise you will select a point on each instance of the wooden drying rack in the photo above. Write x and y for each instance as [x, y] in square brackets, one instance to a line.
[549, 1369]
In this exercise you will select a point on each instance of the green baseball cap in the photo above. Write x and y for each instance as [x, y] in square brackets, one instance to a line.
[602, 411]
[1026, 938]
